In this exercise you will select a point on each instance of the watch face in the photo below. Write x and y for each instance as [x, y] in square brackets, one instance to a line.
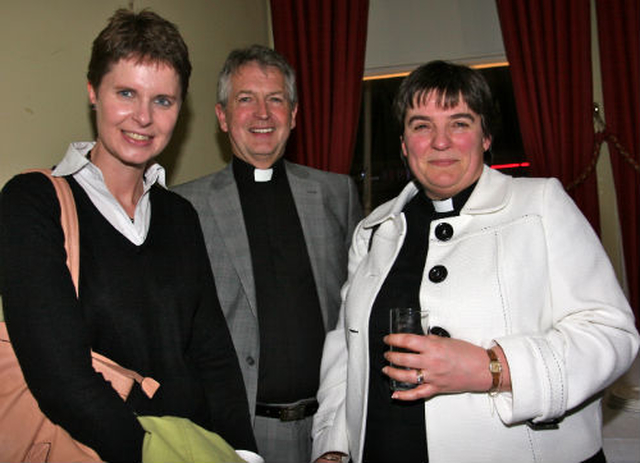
[495, 367]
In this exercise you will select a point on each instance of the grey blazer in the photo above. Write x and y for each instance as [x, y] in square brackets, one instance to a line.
[329, 210]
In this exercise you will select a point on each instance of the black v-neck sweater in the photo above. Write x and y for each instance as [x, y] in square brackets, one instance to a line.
[152, 308]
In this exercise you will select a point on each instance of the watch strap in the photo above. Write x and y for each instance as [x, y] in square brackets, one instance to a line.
[495, 367]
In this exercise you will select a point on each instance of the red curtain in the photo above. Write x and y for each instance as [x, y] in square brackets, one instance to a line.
[324, 40]
[548, 46]
[619, 38]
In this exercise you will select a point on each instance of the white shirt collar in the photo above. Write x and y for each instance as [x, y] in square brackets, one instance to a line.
[75, 159]
[89, 177]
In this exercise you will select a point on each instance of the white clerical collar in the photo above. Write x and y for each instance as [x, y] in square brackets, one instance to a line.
[444, 205]
[262, 175]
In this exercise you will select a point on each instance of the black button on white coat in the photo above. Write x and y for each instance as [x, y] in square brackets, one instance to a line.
[438, 274]
[444, 231]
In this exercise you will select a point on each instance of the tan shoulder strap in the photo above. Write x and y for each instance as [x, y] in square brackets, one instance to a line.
[69, 222]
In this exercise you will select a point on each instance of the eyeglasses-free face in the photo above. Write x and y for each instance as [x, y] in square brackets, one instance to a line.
[444, 147]
[258, 116]
[137, 106]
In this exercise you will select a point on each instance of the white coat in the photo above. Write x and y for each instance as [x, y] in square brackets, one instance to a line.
[526, 271]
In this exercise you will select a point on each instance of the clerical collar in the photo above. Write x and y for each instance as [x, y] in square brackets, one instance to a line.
[245, 172]
[453, 205]
[444, 205]
[262, 175]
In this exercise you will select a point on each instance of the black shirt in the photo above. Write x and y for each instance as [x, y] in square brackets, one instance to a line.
[289, 316]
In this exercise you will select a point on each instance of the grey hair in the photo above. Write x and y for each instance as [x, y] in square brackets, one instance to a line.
[264, 57]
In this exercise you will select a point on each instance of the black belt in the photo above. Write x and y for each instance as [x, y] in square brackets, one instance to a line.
[288, 413]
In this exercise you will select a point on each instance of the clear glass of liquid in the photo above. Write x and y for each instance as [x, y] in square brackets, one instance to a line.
[406, 320]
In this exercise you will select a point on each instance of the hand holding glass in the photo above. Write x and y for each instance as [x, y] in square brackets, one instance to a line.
[406, 320]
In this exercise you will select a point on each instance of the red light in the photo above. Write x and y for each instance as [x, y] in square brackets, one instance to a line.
[511, 166]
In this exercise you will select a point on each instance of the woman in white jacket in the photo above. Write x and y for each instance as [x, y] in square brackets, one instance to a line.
[532, 323]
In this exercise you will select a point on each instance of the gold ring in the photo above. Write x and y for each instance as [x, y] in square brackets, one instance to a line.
[420, 377]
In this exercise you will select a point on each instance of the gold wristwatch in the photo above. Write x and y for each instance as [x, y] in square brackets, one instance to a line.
[495, 367]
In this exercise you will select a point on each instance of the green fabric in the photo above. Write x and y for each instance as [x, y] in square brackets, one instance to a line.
[170, 439]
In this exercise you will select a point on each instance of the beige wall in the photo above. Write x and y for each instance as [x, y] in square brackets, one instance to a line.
[404, 34]
[44, 51]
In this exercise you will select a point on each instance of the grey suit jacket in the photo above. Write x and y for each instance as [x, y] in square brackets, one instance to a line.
[329, 210]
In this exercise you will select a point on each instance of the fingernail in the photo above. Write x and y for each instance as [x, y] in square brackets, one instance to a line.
[394, 395]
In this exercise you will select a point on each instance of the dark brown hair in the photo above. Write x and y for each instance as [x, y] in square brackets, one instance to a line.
[144, 36]
[449, 82]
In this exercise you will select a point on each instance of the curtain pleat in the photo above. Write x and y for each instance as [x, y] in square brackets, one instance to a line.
[324, 40]
[548, 46]
[619, 39]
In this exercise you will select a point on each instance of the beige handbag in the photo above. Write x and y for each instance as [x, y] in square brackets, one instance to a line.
[26, 434]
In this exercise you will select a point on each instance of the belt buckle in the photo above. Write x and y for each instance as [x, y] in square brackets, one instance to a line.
[293, 413]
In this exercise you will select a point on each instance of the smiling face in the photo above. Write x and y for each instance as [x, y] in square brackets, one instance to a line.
[137, 106]
[444, 147]
[258, 115]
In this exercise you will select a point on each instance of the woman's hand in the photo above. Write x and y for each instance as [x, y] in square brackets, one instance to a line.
[446, 366]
